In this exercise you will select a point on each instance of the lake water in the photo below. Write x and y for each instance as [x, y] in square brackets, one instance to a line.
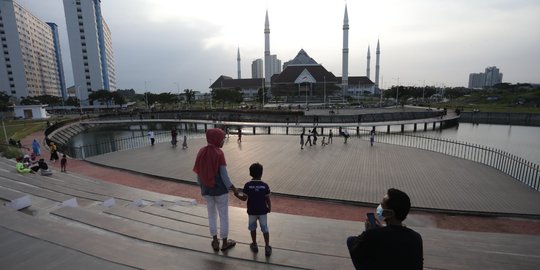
[519, 140]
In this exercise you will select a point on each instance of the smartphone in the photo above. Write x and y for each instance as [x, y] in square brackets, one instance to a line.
[371, 219]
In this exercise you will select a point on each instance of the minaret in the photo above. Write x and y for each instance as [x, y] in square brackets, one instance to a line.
[368, 62]
[267, 64]
[345, 60]
[238, 64]
[377, 62]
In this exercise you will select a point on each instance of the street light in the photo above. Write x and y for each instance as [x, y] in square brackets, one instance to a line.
[324, 77]
[397, 91]
[80, 100]
[145, 95]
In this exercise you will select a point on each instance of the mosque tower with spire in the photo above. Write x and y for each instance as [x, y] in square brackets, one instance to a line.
[377, 62]
[368, 63]
[238, 64]
[345, 60]
[267, 64]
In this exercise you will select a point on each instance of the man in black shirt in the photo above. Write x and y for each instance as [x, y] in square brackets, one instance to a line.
[392, 247]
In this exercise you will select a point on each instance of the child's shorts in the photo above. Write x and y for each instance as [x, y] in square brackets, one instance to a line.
[252, 225]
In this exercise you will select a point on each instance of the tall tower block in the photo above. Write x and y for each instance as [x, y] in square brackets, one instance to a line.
[377, 65]
[368, 63]
[267, 63]
[345, 60]
[90, 45]
[238, 64]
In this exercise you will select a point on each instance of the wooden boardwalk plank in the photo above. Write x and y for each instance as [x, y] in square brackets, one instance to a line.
[352, 172]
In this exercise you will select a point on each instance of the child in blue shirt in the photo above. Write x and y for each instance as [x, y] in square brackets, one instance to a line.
[257, 194]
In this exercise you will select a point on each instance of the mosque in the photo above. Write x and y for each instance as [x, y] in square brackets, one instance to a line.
[303, 77]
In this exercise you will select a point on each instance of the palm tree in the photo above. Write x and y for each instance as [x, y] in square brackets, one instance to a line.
[190, 95]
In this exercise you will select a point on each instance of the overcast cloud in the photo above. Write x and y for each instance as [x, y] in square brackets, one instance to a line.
[173, 44]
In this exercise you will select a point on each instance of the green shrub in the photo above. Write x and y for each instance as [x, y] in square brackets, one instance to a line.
[10, 152]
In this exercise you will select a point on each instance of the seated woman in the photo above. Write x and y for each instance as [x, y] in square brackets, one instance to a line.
[44, 167]
[21, 168]
[29, 163]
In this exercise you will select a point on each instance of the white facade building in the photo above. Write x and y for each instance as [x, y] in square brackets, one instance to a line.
[30, 60]
[90, 46]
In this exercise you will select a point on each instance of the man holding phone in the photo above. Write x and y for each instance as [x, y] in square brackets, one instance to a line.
[393, 246]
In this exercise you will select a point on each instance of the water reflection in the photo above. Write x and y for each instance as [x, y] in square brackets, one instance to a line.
[519, 140]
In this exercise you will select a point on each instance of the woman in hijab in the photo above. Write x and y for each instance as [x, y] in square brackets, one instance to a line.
[210, 167]
[36, 148]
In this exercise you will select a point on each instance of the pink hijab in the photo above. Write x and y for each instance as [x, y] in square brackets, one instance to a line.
[210, 158]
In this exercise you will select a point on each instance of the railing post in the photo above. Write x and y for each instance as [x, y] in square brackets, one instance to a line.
[536, 177]
[287, 130]
[268, 130]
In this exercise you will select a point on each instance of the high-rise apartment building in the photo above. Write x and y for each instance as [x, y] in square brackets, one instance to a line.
[275, 65]
[30, 60]
[490, 77]
[257, 68]
[493, 76]
[90, 46]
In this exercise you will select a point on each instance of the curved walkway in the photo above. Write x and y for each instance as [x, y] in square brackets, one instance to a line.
[352, 172]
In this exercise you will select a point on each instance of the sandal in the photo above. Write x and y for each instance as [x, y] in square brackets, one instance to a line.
[215, 244]
[268, 251]
[228, 245]
[254, 247]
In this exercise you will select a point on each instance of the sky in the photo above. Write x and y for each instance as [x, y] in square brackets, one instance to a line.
[172, 45]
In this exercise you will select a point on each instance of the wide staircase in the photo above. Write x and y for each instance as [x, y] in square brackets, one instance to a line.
[69, 221]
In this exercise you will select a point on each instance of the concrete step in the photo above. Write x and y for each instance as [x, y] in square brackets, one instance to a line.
[153, 234]
[108, 250]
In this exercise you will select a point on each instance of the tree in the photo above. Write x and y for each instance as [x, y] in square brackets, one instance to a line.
[167, 98]
[227, 95]
[190, 96]
[118, 98]
[48, 99]
[128, 94]
[72, 101]
[29, 101]
[4, 101]
[103, 96]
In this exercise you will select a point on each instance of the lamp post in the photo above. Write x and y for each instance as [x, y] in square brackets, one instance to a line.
[80, 100]
[145, 95]
[397, 92]
[324, 78]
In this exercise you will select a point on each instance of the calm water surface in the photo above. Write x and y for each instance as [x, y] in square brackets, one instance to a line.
[518, 140]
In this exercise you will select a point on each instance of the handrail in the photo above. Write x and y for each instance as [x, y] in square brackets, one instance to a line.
[525, 171]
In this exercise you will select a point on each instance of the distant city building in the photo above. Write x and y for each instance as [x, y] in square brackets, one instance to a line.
[275, 65]
[493, 76]
[490, 77]
[91, 47]
[257, 68]
[477, 80]
[30, 64]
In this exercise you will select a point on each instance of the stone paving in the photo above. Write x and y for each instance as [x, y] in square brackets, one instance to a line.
[354, 172]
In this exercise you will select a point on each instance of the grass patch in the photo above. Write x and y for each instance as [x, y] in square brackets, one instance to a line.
[17, 130]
